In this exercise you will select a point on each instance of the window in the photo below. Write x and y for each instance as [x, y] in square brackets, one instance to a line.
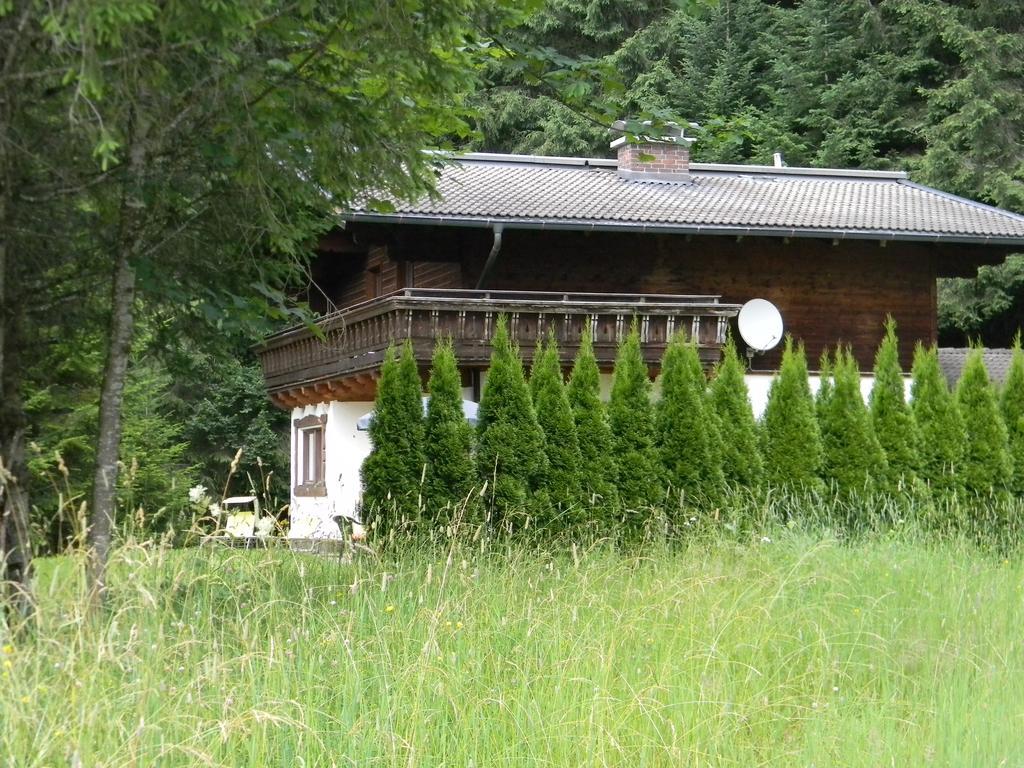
[310, 451]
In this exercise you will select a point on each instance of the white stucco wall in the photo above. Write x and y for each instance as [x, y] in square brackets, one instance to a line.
[758, 385]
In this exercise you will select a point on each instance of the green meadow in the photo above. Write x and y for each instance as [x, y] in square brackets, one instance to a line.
[795, 651]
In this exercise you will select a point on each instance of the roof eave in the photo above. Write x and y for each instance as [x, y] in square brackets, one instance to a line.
[584, 225]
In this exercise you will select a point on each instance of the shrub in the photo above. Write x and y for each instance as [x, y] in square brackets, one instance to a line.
[511, 455]
[393, 470]
[791, 441]
[554, 414]
[685, 429]
[1012, 406]
[985, 467]
[450, 473]
[740, 452]
[852, 456]
[630, 416]
[890, 414]
[594, 435]
[938, 421]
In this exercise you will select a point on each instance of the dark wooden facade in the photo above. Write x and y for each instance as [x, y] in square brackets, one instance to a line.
[829, 292]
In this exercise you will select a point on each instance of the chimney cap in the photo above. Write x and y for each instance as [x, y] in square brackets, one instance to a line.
[671, 132]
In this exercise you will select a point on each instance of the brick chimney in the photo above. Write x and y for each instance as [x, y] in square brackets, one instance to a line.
[655, 158]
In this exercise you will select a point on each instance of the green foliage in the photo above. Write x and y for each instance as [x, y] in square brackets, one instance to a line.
[939, 423]
[594, 435]
[985, 467]
[791, 440]
[392, 472]
[554, 414]
[450, 475]
[852, 456]
[631, 418]
[741, 454]
[510, 455]
[686, 432]
[890, 414]
[1011, 404]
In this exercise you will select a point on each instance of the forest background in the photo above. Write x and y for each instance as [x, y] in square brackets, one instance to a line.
[935, 88]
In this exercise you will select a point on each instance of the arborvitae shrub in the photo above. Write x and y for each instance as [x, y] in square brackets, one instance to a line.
[685, 432]
[1012, 406]
[597, 464]
[939, 423]
[631, 418]
[826, 385]
[739, 449]
[791, 442]
[852, 456]
[391, 473]
[510, 454]
[985, 468]
[554, 414]
[450, 477]
[890, 414]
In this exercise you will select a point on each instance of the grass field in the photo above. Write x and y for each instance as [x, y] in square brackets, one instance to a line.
[792, 652]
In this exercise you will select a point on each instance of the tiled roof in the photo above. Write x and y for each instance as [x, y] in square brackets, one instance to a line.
[953, 359]
[573, 193]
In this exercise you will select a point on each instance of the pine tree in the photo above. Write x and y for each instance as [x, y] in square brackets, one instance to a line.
[741, 455]
[791, 441]
[890, 414]
[686, 434]
[391, 473]
[1012, 406]
[554, 414]
[986, 466]
[852, 456]
[631, 418]
[939, 423]
[597, 464]
[510, 455]
[450, 474]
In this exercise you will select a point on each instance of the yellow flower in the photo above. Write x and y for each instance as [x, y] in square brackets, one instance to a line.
[448, 624]
[389, 609]
[7, 664]
[458, 625]
[8, 649]
[25, 699]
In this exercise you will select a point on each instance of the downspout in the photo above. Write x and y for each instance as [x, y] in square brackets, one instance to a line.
[492, 257]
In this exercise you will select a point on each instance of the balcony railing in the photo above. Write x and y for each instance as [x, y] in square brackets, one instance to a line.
[355, 339]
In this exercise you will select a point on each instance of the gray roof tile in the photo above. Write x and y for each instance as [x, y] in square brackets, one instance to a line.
[537, 191]
[952, 360]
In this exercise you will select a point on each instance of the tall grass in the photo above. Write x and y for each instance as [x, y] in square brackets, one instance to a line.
[780, 649]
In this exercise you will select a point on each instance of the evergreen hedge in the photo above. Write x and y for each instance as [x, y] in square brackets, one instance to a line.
[594, 435]
[791, 441]
[939, 423]
[891, 416]
[511, 453]
[1011, 403]
[392, 472]
[554, 414]
[451, 476]
[985, 467]
[739, 449]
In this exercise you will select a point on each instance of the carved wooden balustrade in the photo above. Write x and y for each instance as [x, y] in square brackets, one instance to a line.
[302, 368]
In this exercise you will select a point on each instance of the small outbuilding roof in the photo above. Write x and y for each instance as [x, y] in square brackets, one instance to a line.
[952, 361]
[520, 191]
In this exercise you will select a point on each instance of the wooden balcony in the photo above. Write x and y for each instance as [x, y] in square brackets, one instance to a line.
[301, 368]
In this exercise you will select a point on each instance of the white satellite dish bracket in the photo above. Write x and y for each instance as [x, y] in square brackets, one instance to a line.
[760, 326]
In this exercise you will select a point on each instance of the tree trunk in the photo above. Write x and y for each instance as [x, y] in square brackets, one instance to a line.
[104, 495]
[15, 546]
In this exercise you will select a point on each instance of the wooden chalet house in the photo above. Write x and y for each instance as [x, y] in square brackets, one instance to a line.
[567, 242]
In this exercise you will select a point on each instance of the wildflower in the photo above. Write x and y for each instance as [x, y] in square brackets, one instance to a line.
[8, 649]
[25, 699]
[197, 493]
[8, 664]
[766, 540]
[389, 608]
[458, 625]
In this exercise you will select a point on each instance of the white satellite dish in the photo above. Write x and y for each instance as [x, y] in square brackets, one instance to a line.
[760, 324]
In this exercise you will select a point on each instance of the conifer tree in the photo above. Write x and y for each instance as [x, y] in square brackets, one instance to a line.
[391, 473]
[1012, 405]
[686, 434]
[554, 414]
[741, 454]
[631, 418]
[450, 474]
[939, 423]
[826, 385]
[594, 435]
[791, 441]
[852, 456]
[890, 414]
[510, 455]
[985, 467]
